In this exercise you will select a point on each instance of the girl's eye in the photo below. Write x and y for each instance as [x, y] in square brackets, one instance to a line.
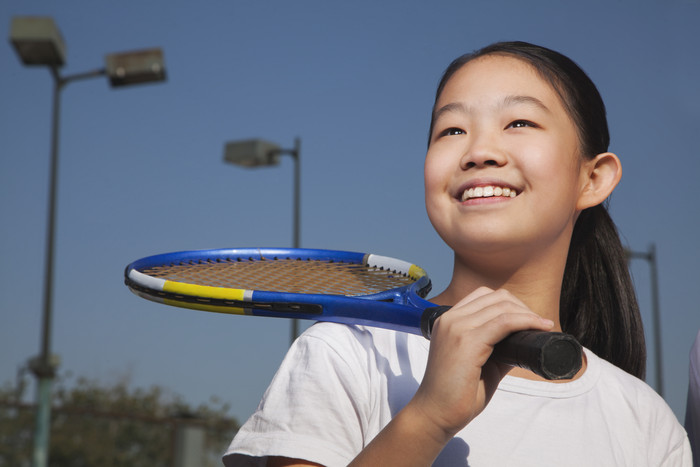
[521, 124]
[452, 132]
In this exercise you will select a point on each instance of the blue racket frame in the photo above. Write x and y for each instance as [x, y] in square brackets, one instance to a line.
[399, 309]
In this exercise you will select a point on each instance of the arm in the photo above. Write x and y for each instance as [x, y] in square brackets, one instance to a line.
[459, 379]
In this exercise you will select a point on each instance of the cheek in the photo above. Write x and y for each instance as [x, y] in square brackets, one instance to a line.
[433, 180]
[556, 164]
[436, 168]
[557, 194]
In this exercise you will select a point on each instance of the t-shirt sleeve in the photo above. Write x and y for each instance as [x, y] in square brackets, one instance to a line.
[315, 406]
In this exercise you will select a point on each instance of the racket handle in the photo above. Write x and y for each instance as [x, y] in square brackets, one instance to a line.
[552, 355]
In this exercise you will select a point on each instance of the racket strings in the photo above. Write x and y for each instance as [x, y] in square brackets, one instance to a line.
[285, 275]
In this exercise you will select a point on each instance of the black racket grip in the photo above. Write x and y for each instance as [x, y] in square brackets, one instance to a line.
[552, 355]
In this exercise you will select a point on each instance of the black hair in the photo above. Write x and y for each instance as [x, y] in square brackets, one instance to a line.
[598, 304]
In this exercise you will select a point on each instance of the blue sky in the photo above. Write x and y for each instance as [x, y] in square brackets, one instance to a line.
[142, 173]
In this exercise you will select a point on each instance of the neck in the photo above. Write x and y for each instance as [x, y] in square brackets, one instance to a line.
[536, 280]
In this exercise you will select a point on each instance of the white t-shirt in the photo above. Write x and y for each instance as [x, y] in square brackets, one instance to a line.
[340, 385]
[692, 410]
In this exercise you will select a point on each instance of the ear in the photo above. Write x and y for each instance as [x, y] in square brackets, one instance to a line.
[600, 176]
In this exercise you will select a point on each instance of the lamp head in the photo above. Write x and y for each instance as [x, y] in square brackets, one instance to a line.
[140, 66]
[38, 41]
[252, 153]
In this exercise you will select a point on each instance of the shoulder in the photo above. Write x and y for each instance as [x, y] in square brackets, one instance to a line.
[633, 400]
[388, 364]
[618, 398]
[608, 408]
[332, 394]
[331, 332]
[618, 385]
[622, 384]
[351, 340]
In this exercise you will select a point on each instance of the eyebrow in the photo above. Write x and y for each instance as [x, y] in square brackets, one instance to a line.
[528, 100]
[508, 101]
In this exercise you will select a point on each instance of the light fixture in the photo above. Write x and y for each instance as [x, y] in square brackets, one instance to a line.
[38, 41]
[252, 153]
[141, 66]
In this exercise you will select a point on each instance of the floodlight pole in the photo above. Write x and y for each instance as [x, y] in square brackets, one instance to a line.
[296, 242]
[297, 194]
[650, 257]
[297, 202]
[44, 367]
[59, 83]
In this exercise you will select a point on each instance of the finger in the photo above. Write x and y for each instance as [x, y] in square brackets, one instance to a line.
[483, 309]
[477, 293]
[490, 326]
[486, 296]
[504, 324]
[432, 314]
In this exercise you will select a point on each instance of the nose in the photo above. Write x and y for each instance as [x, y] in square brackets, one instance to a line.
[482, 151]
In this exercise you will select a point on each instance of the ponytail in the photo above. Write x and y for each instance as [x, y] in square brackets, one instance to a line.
[598, 304]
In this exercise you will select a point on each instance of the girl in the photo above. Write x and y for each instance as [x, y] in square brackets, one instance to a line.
[516, 171]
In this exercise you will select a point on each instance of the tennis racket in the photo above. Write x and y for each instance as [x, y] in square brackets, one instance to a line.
[326, 285]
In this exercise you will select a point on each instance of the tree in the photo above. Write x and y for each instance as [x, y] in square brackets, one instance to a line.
[110, 425]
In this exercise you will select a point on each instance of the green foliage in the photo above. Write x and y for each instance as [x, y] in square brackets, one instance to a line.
[93, 424]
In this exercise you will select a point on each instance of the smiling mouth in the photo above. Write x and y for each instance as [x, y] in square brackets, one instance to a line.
[488, 191]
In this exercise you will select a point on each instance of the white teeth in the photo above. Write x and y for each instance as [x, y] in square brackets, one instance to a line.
[487, 192]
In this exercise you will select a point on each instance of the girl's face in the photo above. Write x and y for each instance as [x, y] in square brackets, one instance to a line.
[503, 168]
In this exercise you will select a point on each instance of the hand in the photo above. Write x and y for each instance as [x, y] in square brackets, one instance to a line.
[460, 379]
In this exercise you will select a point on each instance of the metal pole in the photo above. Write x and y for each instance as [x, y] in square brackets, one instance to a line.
[650, 257]
[656, 318]
[297, 192]
[43, 368]
[294, 332]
